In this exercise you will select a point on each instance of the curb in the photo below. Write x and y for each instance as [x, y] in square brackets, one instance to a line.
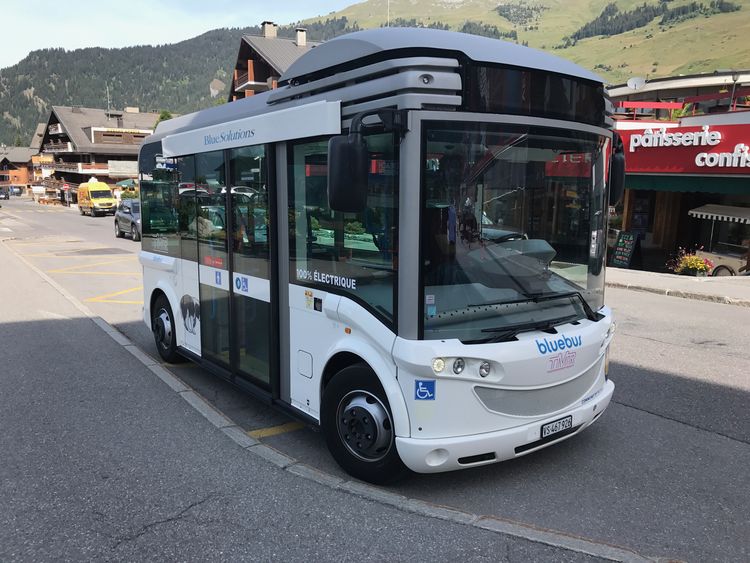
[682, 294]
[487, 523]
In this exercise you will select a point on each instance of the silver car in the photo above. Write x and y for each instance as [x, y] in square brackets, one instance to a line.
[128, 219]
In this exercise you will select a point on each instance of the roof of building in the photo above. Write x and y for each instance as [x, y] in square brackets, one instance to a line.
[75, 119]
[17, 155]
[36, 138]
[278, 52]
[371, 42]
[721, 78]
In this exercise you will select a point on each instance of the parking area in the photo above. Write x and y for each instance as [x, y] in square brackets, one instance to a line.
[662, 473]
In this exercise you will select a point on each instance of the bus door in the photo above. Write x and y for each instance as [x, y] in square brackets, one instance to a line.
[210, 227]
[251, 264]
[335, 257]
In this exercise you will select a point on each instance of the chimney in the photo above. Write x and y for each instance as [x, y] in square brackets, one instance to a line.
[301, 36]
[269, 29]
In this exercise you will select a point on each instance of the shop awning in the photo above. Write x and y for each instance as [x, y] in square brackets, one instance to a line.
[722, 213]
[683, 183]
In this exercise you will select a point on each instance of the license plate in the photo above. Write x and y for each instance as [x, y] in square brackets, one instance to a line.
[557, 426]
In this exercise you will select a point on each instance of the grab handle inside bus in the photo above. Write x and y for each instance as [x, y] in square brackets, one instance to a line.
[617, 171]
[347, 170]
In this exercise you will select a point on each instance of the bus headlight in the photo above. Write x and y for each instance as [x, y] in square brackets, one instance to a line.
[458, 365]
[438, 365]
[484, 369]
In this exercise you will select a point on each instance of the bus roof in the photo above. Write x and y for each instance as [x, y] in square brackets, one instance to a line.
[371, 42]
[371, 46]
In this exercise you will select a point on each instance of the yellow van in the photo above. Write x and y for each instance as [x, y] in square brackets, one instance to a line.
[95, 197]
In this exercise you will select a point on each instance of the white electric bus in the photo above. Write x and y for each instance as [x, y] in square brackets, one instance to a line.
[404, 243]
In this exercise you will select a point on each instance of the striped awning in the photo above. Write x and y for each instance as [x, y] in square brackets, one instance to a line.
[722, 213]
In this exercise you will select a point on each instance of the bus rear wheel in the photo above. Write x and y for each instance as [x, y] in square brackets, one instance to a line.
[358, 426]
[163, 327]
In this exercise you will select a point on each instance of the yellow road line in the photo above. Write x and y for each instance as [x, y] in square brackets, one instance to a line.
[73, 268]
[275, 430]
[64, 256]
[97, 273]
[51, 241]
[106, 298]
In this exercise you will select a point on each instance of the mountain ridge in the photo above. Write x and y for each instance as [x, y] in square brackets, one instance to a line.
[185, 76]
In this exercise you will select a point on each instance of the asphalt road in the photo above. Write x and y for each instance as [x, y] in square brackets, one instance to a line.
[663, 473]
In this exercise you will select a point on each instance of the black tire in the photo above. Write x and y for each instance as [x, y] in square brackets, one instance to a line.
[118, 232]
[358, 426]
[723, 270]
[163, 328]
[80, 210]
[134, 234]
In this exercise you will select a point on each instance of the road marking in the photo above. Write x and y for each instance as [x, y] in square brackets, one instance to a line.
[98, 273]
[106, 298]
[275, 430]
[50, 241]
[63, 256]
[72, 269]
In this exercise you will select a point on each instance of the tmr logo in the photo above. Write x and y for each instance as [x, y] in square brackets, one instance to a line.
[565, 357]
[557, 345]
[561, 361]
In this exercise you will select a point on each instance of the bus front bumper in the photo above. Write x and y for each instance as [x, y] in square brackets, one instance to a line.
[448, 454]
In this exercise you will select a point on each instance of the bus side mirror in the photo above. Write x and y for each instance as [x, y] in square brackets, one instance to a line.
[617, 172]
[348, 160]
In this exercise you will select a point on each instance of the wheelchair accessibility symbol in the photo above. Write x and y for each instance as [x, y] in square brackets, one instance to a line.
[424, 390]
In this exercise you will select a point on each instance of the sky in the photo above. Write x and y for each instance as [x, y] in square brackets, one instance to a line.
[38, 24]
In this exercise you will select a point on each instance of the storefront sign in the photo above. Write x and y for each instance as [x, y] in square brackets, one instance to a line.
[627, 247]
[708, 149]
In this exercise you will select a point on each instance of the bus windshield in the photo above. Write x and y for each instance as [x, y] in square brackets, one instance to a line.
[513, 229]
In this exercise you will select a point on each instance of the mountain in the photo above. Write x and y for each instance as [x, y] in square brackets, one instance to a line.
[617, 39]
[620, 39]
[174, 77]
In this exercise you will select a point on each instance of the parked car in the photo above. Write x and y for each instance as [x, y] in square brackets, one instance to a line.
[128, 219]
[4, 194]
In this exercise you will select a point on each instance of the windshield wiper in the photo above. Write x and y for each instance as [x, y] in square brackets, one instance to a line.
[505, 333]
[545, 296]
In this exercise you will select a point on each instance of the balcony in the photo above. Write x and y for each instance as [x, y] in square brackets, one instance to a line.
[58, 147]
[242, 83]
[82, 167]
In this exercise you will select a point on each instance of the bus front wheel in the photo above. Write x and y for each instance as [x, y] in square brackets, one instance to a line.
[358, 426]
[163, 327]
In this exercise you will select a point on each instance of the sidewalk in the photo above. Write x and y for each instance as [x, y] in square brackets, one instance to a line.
[734, 290]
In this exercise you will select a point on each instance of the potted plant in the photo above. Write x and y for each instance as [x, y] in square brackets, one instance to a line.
[686, 263]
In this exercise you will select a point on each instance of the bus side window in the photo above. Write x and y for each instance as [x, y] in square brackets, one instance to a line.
[350, 253]
[158, 217]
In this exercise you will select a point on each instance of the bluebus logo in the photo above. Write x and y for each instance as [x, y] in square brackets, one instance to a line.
[557, 345]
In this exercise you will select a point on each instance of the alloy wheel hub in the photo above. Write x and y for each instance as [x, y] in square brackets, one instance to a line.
[364, 425]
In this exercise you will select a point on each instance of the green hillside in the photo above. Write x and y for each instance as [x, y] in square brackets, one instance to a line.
[649, 38]
[703, 43]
